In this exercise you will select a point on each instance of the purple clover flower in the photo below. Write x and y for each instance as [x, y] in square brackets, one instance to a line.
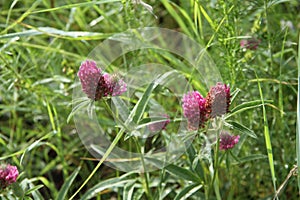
[251, 44]
[228, 141]
[115, 85]
[160, 125]
[97, 85]
[218, 100]
[8, 175]
[194, 109]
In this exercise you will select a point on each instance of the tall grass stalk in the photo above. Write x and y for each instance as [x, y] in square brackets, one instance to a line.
[267, 137]
[298, 119]
[108, 151]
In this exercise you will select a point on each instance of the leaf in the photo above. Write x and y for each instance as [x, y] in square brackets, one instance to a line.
[57, 78]
[33, 189]
[143, 102]
[121, 107]
[68, 6]
[128, 190]
[66, 186]
[234, 94]
[188, 191]
[140, 107]
[22, 17]
[194, 161]
[183, 173]
[275, 2]
[84, 103]
[267, 136]
[113, 182]
[250, 158]
[240, 127]
[36, 144]
[180, 172]
[18, 191]
[49, 184]
[138, 194]
[75, 35]
[149, 121]
[209, 20]
[176, 16]
[246, 106]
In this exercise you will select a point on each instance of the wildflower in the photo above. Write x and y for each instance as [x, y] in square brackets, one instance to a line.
[228, 141]
[146, 6]
[96, 85]
[8, 175]
[115, 85]
[286, 24]
[160, 125]
[251, 44]
[91, 78]
[218, 100]
[194, 109]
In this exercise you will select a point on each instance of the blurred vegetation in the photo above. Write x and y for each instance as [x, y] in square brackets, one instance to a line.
[43, 43]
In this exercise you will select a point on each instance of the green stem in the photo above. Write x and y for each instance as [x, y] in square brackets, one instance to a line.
[146, 178]
[124, 125]
[109, 150]
[160, 190]
[215, 180]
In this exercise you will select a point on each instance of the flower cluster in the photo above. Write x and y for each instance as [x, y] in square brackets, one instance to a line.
[115, 85]
[198, 109]
[251, 44]
[194, 109]
[228, 141]
[218, 100]
[96, 84]
[8, 175]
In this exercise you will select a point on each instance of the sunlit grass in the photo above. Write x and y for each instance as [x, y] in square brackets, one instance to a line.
[43, 44]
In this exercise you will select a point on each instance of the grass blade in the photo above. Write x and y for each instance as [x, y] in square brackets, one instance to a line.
[177, 171]
[109, 150]
[209, 20]
[298, 120]
[246, 106]
[188, 191]
[22, 17]
[76, 5]
[240, 127]
[176, 16]
[75, 35]
[267, 137]
[183, 173]
[113, 182]
[246, 159]
[64, 189]
[143, 102]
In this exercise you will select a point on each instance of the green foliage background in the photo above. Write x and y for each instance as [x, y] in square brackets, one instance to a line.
[43, 43]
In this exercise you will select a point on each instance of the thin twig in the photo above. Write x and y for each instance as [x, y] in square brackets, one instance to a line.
[292, 172]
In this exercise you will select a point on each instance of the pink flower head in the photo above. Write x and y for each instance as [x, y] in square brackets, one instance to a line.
[194, 109]
[8, 175]
[251, 44]
[228, 141]
[116, 86]
[90, 78]
[160, 125]
[96, 85]
[218, 100]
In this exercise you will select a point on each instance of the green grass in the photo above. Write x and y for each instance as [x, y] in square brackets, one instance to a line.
[42, 44]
